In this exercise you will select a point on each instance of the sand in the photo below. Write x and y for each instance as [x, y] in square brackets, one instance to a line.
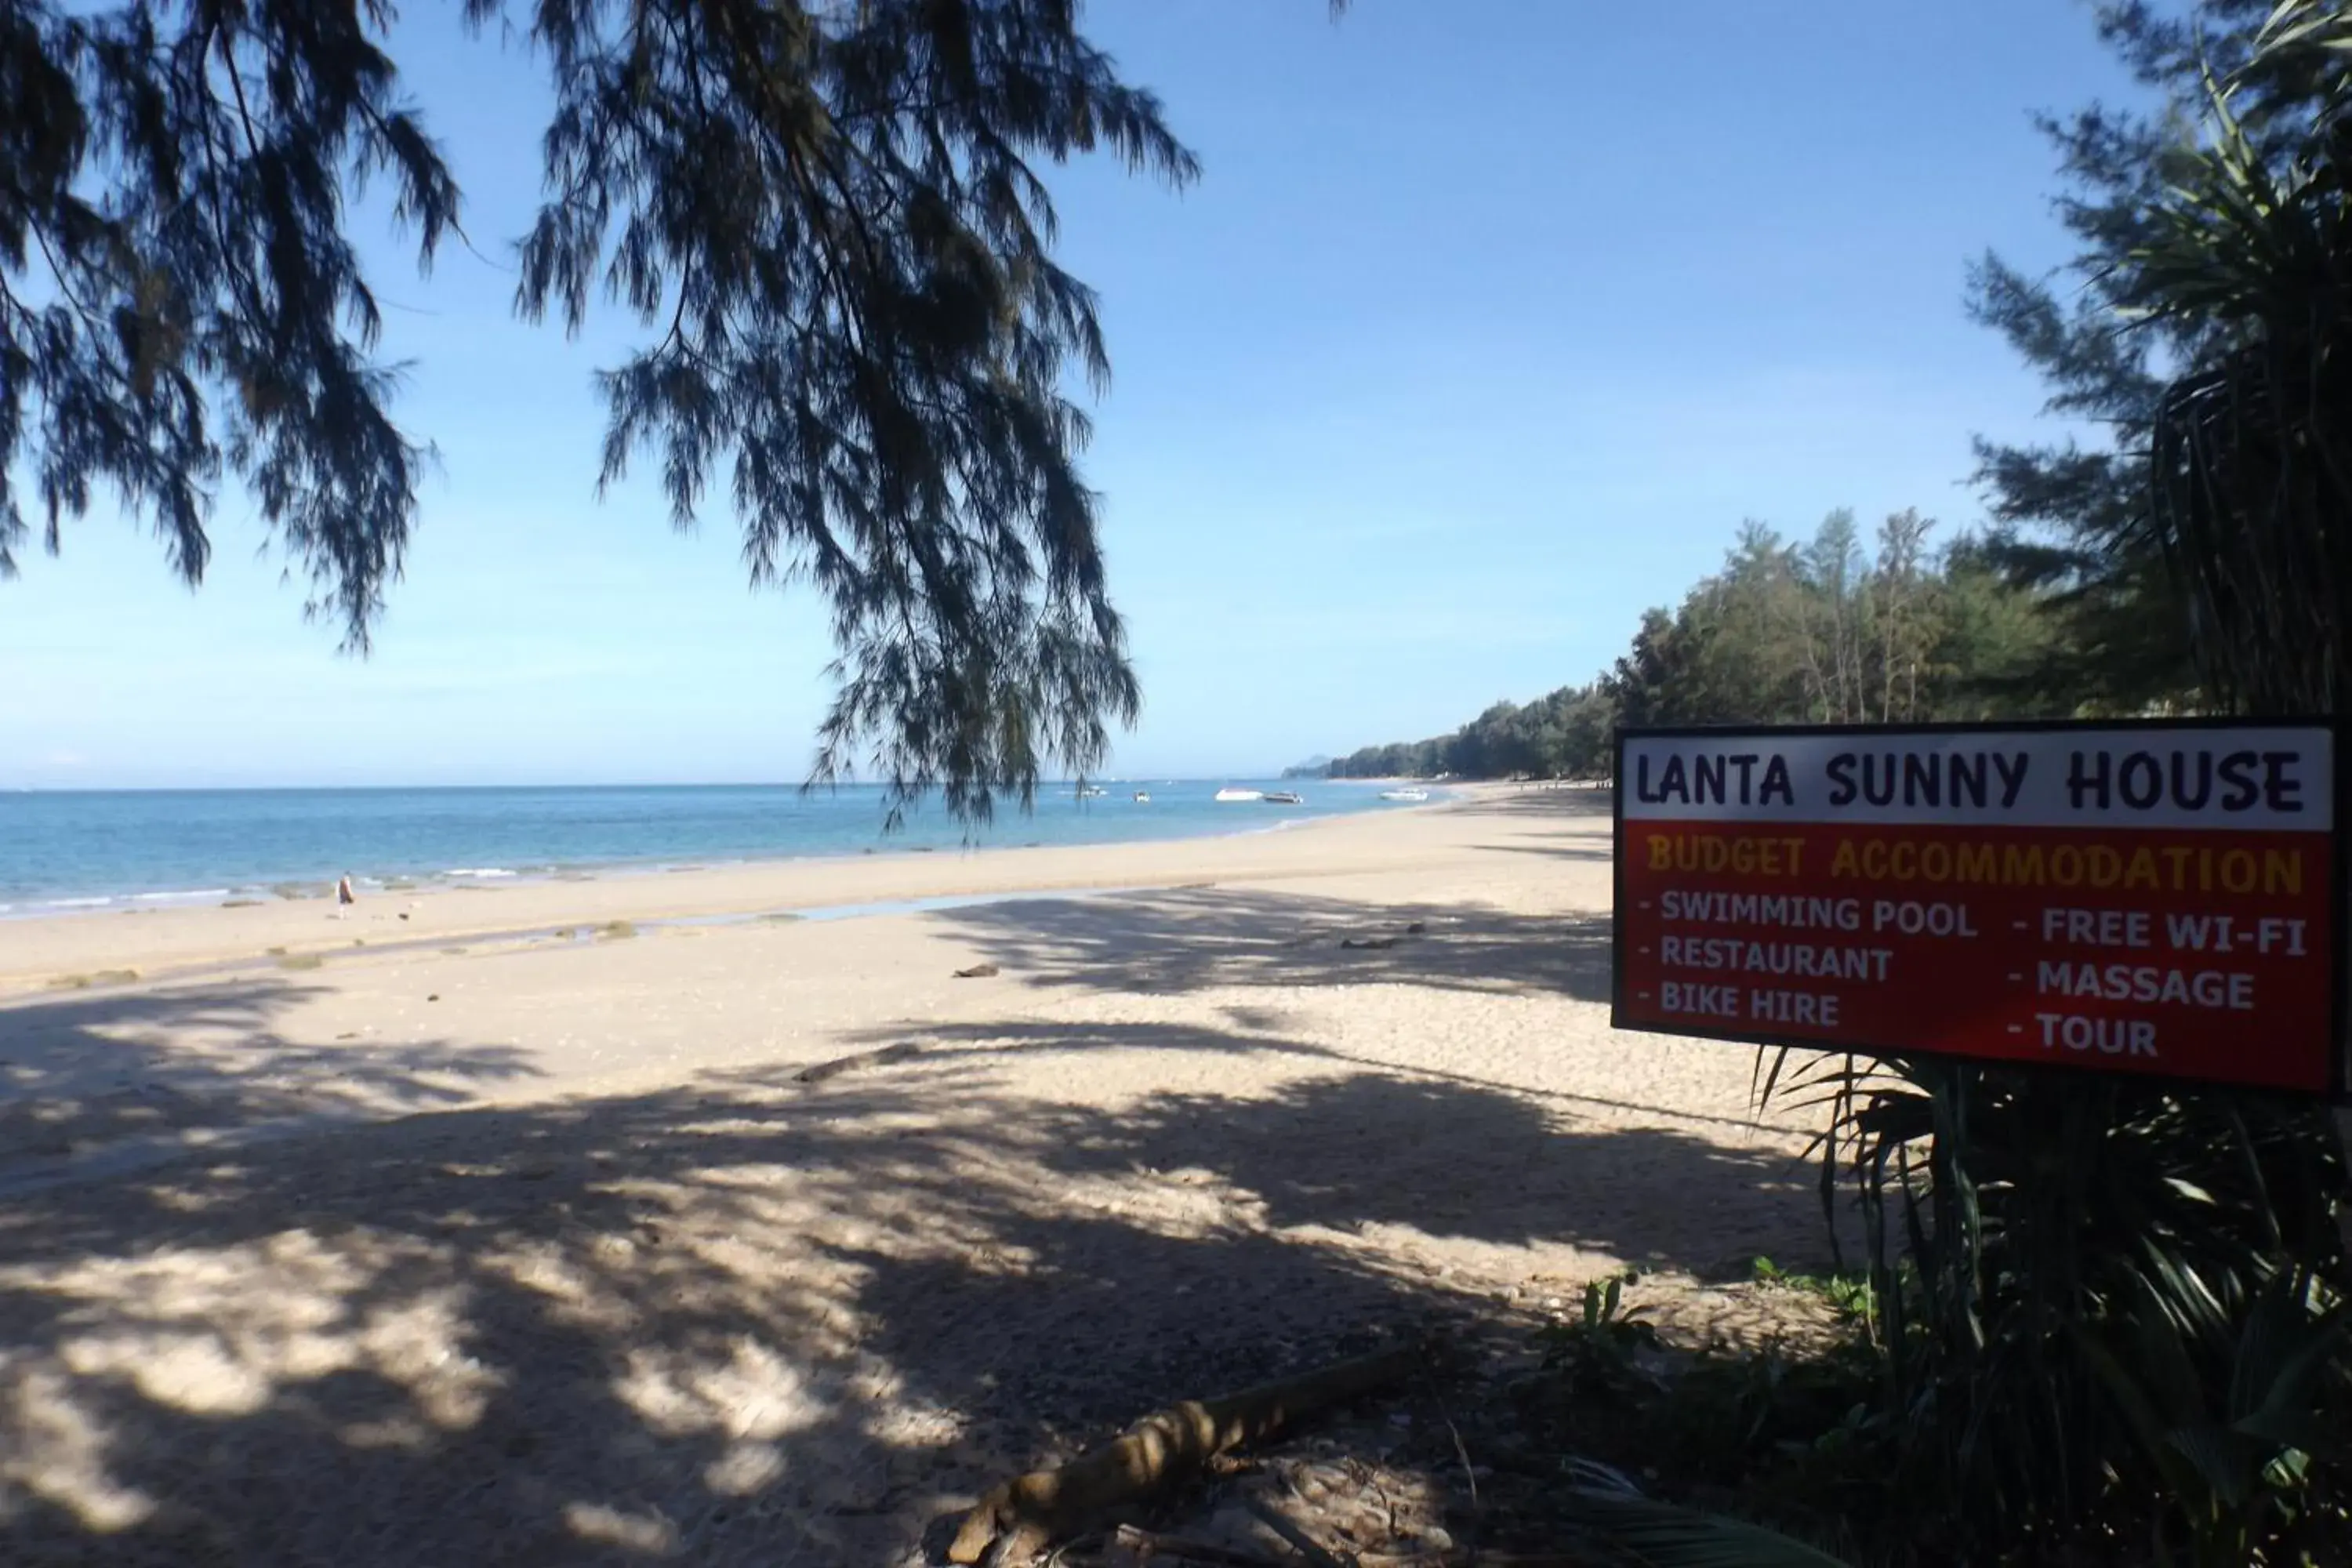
[691, 1235]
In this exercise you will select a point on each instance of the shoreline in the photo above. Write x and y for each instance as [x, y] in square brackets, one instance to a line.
[77, 903]
[126, 945]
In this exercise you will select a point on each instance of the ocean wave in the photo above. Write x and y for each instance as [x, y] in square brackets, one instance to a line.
[478, 871]
[187, 893]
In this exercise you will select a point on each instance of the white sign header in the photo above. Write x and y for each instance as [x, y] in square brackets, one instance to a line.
[2269, 778]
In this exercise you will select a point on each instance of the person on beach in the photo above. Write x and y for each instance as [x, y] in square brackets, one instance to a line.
[345, 897]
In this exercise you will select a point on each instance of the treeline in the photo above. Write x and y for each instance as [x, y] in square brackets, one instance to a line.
[1564, 734]
[1833, 629]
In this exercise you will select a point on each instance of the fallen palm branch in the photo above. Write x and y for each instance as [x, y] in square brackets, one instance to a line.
[1159, 1455]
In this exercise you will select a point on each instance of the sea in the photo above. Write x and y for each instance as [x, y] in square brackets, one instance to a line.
[63, 850]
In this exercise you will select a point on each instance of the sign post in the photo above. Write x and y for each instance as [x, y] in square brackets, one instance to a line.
[2154, 897]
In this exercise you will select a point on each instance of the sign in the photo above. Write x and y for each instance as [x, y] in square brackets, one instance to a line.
[2158, 898]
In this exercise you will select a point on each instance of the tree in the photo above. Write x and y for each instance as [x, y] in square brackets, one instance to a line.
[2250, 449]
[828, 215]
[1824, 632]
[1905, 613]
[1587, 734]
[1745, 617]
[1650, 682]
[2078, 517]
[1832, 617]
[1999, 652]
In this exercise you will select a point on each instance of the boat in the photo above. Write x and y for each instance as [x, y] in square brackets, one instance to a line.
[1412, 795]
[1281, 797]
[1143, 797]
[1230, 795]
[1091, 792]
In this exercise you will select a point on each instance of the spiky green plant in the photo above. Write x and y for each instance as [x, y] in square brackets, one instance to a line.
[1616, 1524]
[2100, 1305]
[2251, 453]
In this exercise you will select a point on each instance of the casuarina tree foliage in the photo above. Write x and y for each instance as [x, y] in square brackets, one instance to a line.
[2110, 335]
[828, 213]
[1788, 632]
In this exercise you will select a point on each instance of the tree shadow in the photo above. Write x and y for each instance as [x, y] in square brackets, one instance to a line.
[1574, 849]
[1256, 1032]
[1449, 1160]
[1521, 805]
[748, 1320]
[1185, 939]
[134, 1075]
[1587, 810]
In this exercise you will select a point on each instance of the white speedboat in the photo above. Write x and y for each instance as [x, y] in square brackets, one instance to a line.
[1281, 797]
[1229, 795]
[1412, 795]
[1092, 791]
[1143, 797]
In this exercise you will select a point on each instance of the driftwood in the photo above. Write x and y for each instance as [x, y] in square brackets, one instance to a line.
[1160, 1454]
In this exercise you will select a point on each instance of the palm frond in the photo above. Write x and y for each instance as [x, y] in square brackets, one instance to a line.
[1615, 1521]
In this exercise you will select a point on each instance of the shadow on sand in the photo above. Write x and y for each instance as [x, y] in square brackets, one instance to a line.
[86, 1082]
[748, 1320]
[1587, 810]
[1199, 938]
[1533, 801]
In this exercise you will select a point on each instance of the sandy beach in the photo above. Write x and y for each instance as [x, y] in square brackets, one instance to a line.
[648, 1218]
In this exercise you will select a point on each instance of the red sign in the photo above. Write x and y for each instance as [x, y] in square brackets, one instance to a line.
[2161, 898]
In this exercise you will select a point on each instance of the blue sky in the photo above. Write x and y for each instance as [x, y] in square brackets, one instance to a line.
[1488, 323]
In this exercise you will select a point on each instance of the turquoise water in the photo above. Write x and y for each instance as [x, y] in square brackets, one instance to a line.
[62, 850]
